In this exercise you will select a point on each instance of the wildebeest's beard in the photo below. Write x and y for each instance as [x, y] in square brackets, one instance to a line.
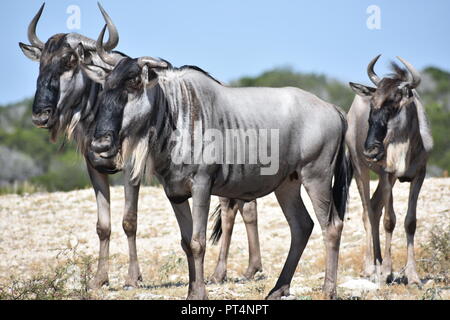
[374, 149]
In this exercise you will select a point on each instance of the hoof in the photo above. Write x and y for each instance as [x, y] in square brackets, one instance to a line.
[250, 273]
[277, 294]
[132, 282]
[218, 277]
[199, 296]
[412, 277]
[98, 282]
[329, 292]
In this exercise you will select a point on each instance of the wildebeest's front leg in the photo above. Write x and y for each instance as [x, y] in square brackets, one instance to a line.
[250, 215]
[387, 181]
[129, 225]
[410, 227]
[372, 210]
[184, 219]
[228, 210]
[201, 198]
[101, 187]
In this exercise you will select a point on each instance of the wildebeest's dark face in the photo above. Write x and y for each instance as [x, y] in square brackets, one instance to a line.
[387, 100]
[125, 88]
[60, 81]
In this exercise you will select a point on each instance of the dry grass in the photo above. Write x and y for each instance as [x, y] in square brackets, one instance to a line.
[35, 227]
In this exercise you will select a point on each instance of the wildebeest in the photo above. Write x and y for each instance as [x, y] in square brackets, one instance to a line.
[389, 134]
[146, 102]
[65, 104]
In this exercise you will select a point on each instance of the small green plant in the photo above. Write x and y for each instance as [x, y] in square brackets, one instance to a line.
[68, 280]
[432, 294]
[172, 265]
[435, 259]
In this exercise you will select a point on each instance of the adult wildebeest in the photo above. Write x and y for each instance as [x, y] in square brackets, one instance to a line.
[146, 103]
[389, 134]
[65, 104]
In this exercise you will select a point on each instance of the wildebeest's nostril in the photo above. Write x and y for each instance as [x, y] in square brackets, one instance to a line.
[41, 118]
[374, 152]
[102, 144]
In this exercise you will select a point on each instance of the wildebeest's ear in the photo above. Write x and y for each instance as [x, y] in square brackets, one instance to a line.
[361, 90]
[149, 77]
[95, 73]
[30, 52]
[80, 52]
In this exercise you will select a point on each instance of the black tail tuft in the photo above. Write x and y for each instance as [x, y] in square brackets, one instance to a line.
[217, 229]
[343, 174]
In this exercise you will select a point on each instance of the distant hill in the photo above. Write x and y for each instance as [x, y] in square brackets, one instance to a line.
[326, 88]
[26, 154]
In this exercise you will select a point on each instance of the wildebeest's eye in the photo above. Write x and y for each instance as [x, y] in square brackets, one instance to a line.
[70, 62]
[134, 83]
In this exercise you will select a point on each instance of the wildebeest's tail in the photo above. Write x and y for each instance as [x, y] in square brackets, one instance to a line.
[343, 173]
[217, 229]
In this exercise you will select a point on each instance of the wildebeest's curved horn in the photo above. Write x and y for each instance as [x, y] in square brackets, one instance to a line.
[113, 39]
[110, 59]
[151, 62]
[372, 75]
[32, 37]
[414, 73]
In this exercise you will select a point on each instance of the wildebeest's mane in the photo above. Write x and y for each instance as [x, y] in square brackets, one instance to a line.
[200, 70]
[398, 73]
[389, 84]
[55, 42]
[191, 67]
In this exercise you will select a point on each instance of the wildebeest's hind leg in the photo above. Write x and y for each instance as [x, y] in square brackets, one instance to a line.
[228, 210]
[101, 187]
[184, 219]
[318, 187]
[301, 226]
[250, 216]
[410, 227]
[129, 225]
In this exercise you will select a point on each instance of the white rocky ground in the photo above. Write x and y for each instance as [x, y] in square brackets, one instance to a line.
[36, 228]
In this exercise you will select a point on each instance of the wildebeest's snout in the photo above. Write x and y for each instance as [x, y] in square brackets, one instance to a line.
[374, 151]
[104, 146]
[102, 143]
[41, 118]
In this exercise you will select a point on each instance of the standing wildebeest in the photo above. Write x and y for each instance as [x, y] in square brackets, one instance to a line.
[389, 134]
[146, 102]
[65, 104]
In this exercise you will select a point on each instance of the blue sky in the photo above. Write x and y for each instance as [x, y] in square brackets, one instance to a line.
[234, 38]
